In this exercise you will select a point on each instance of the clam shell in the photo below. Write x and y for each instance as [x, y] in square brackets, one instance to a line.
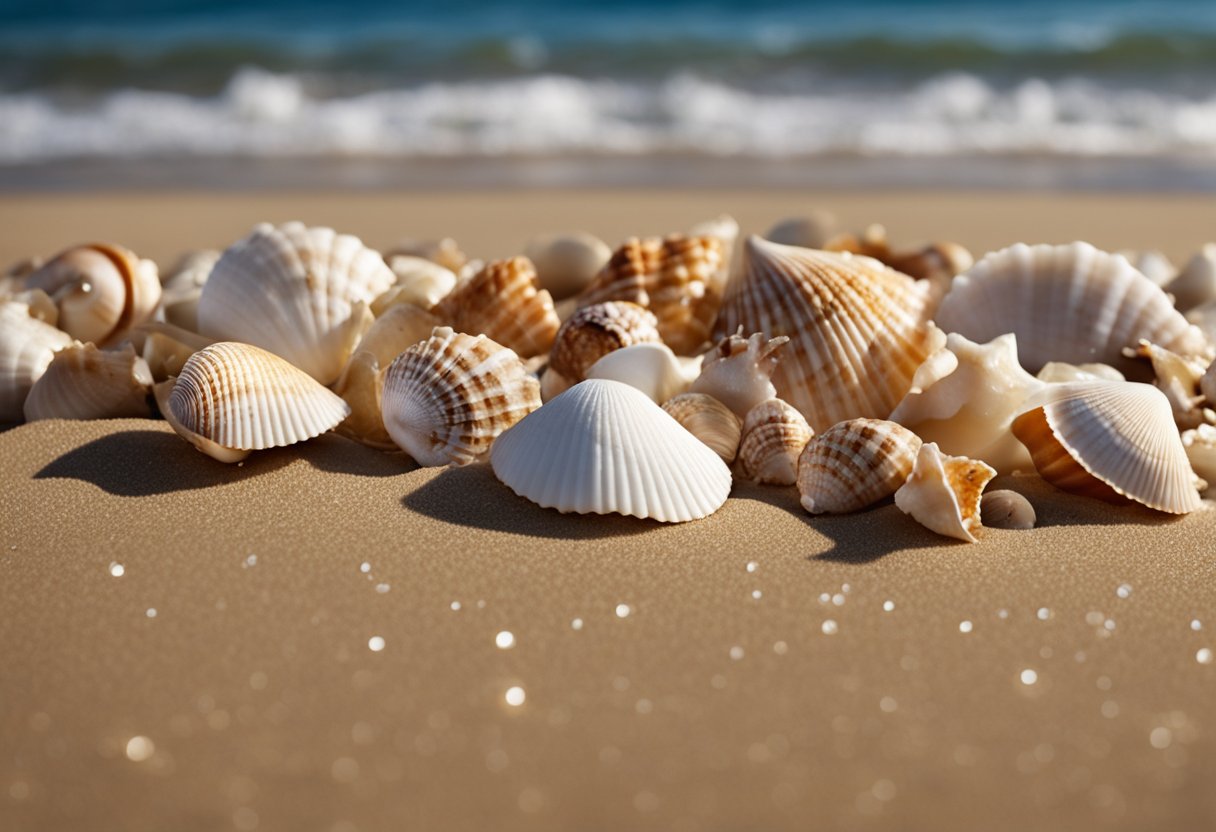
[182, 286]
[1055, 372]
[858, 330]
[652, 368]
[419, 281]
[738, 371]
[505, 303]
[854, 464]
[773, 437]
[1070, 303]
[709, 420]
[1112, 440]
[811, 231]
[603, 447]
[1195, 284]
[83, 382]
[943, 492]
[447, 398]
[593, 332]
[301, 293]
[27, 346]
[1006, 510]
[567, 263]
[235, 398]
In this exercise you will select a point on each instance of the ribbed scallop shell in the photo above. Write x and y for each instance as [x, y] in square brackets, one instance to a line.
[943, 492]
[858, 330]
[446, 400]
[855, 464]
[602, 447]
[774, 435]
[1111, 440]
[709, 420]
[1070, 303]
[652, 368]
[567, 263]
[594, 331]
[83, 382]
[505, 303]
[238, 398]
[301, 293]
[27, 346]
[679, 278]
[738, 371]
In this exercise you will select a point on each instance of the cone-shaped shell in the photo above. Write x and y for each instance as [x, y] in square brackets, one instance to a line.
[505, 303]
[773, 437]
[1111, 440]
[858, 330]
[602, 447]
[943, 492]
[27, 346]
[594, 331]
[1070, 303]
[709, 420]
[301, 293]
[652, 368]
[83, 382]
[855, 464]
[567, 263]
[234, 398]
[738, 371]
[446, 400]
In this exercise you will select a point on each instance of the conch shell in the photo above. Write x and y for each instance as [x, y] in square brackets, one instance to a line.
[709, 420]
[27, 346]
[943, 492]
[590, 334]
[773, 437]
[505, 303]
[855, 464]
[567, 263]
[83, 382]
[738, 371]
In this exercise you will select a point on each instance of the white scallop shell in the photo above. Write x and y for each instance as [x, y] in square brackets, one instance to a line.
[27, 346]
[603, 447]
[652, 368]
[943, 492]
[83, 382]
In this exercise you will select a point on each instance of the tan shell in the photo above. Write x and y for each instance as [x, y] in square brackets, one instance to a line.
[593, 332]
[446, 400]
[166, 348]
[1195, 284]
[83, 382]
[443, 251]
[1006, 510]
[1200, 445]
[1207, 384]
[27, 346]
[858, 330]
[41, 305]
[709, 420]
[419, 281]
[810, 231]
[934, 261]
[505, 303]
[1112, 440]
[679, 278]
[1178, 377]
[567, 263]
[943, 492]
[738, 371]
[855, 464]
[182, 286]
[773, 437]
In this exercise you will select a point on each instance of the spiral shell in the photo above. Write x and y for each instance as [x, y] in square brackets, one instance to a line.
[943, 492]
[709, 420]
[27, 346]
[855, 464]
[773, 437]
[83, 382]
[503, 301]
[738, 371]
[591, 333]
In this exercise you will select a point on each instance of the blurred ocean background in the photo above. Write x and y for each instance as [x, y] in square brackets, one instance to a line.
[248, 93]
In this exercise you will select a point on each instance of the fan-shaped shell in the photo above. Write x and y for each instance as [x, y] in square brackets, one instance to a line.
[1112, 440]
[301, 293]
[709, 420]
[858, 330]
[738, 371]
[603, 447]
[27, 346]
[591, 333]
[505, 303]
[83, 382]
[1070, 303]
[774, 435]
[855, 464]
[652, 368]
[446, 400]
[943, 492]
[567, 263]
[235, 398]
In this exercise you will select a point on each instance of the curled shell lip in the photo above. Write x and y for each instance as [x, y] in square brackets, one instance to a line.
[943, 493]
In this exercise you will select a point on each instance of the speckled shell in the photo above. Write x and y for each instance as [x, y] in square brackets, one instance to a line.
[679, 278]
[567, 263]
[1006, 510]
[1070, 303]
[27, 346]
[446, 399]
[773, 437]
[858, 330]
[1112, 440]
[709, 420]
[854, 464]
[602, 447]
[301, 293]
[83, 382]
[943, 492]
[505, 303]
[593, 332]
[738, 371]
[234, 398]
[652, 368]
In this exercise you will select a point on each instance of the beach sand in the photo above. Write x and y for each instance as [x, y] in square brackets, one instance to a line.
[739, 672]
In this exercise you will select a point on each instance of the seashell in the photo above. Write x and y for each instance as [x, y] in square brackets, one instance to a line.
[183, 286]
[812, 231]
[1055, 372]
[446, 399]
[726, 229]
[21, 269]
[101, 290]
[234, 398]
[1152, 264]
[934, 261]
[652, 368]
[738, 371]
[1200, 445]
[855, 464]
[503, 301]
[1207, 383]
[1178, 378]
[419, 281]
[858, 329]
[443, 251]
[41, 305]
[679, 278]
[1108, 439]
[1204, 318]
[1195, 284]
[567, 263]
[602, 447]
[165, 348]
[27, 346]
[590, 334]
[964, 398]
[709, 420]
[1069, 303]
[943, 492]
[1006, 510]
[301, 293]
[774, 435]
[83, 382]
[398, 329]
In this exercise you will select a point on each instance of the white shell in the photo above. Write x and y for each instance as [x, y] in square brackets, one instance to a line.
[419, 281]
[83, 382]
[738, 371]
[1195, 284]
[652, 368]
[1057, 372]
[27, 346]
[603, 447]
[1200, 445]
[301, 293]
[1152, 264]
[1178, 377]
[943, 492]
[183, 286]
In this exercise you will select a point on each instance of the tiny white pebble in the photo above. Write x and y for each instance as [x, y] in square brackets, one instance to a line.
[365, 567]
[375, 644]
[576, 624]
[825, 597]
[1196, 624]
[505, 640]
[455, 605]
[838, 599]
[780, 648]
[1160, 737]
[845, 588]
[1124, 590]
[1029, 677]
[117, 569]
[757, 594]
[829, 627]
[736, 652]
[139, 749]
[887, 606]
[1043, 613]
[1109, 624]
[623, 610]
[382, 588]
[1002, 613]
[888, 705]
[964, 626]
[151, 613]
[752, 566]
[481, 604]
[515, 696]
[251, 561]
[1204, 655]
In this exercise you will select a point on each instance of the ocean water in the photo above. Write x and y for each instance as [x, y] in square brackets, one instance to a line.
[146, 84]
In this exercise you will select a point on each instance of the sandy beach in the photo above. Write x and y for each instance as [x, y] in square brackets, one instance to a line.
[311, 641]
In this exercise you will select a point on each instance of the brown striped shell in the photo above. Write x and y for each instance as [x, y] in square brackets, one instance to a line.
[773, 437]
[855, 464]
[594, 331]
[943, 492]
[505, 303]
[709, 420]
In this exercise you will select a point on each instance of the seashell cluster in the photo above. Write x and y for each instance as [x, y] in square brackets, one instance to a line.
[773, 437]
[943, 493]
[590, 334]
[854, 464]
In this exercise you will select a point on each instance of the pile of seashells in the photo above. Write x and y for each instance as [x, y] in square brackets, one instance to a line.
[827, 361]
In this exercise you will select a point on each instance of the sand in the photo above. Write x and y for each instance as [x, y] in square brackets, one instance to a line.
[740, 672]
